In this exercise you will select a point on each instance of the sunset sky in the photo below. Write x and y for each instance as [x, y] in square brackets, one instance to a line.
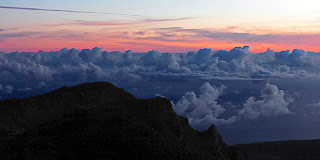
[166, 25]
[200, 54]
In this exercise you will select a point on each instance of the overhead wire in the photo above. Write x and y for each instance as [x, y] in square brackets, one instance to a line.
[70, 11]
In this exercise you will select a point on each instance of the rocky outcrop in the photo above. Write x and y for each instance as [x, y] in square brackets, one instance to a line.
[101, 121]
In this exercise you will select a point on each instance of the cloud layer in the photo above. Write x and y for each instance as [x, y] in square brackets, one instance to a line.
[38, 69]
[28, 72]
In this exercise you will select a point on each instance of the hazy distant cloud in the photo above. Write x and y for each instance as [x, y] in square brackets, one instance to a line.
[57, 34]
[96, 23]
[159, 95]
[170, 28]
[24, 89]
[233, 36]
[254, 38]
[313, 21]
[41, 85]
[313, 105]
[245, 37]
[8, 89]
[168, 19]
[18, 34]
[231, 27]
[119, 23]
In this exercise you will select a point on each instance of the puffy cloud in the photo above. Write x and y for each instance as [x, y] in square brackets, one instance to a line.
[8, 89]
[159, 95]
[42, 68]
[274, 102]
[203, 110]
[197, 106]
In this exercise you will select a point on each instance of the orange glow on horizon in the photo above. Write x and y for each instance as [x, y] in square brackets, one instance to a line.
[142, 46]
[143, 38]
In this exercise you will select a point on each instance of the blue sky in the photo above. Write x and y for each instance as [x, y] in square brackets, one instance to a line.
[169, 8]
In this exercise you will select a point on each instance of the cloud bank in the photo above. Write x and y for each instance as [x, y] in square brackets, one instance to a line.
[39, 69]
[203, 110]
[31, 71]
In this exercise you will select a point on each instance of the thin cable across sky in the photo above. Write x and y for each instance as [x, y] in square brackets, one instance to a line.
[69, 11]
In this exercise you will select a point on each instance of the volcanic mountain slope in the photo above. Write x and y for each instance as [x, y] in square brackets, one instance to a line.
[101, 121]
[283, 150]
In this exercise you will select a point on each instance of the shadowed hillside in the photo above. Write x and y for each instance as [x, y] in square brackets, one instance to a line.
[283, 150]
[101, 121]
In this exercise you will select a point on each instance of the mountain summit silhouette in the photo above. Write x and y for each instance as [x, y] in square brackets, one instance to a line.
[100, 121]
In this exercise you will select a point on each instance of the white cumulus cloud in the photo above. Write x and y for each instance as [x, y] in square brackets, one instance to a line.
[202, 110]
[274, 102]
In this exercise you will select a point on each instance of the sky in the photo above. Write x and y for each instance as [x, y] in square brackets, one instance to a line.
[166, 26]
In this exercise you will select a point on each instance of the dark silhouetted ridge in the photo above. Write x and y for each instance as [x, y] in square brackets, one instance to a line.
[283, 150]
[101, 121]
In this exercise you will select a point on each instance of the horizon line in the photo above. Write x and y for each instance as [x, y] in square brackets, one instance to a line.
[245, 47]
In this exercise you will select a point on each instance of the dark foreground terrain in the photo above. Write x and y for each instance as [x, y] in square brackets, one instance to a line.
[101, 121]
[283, 150]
